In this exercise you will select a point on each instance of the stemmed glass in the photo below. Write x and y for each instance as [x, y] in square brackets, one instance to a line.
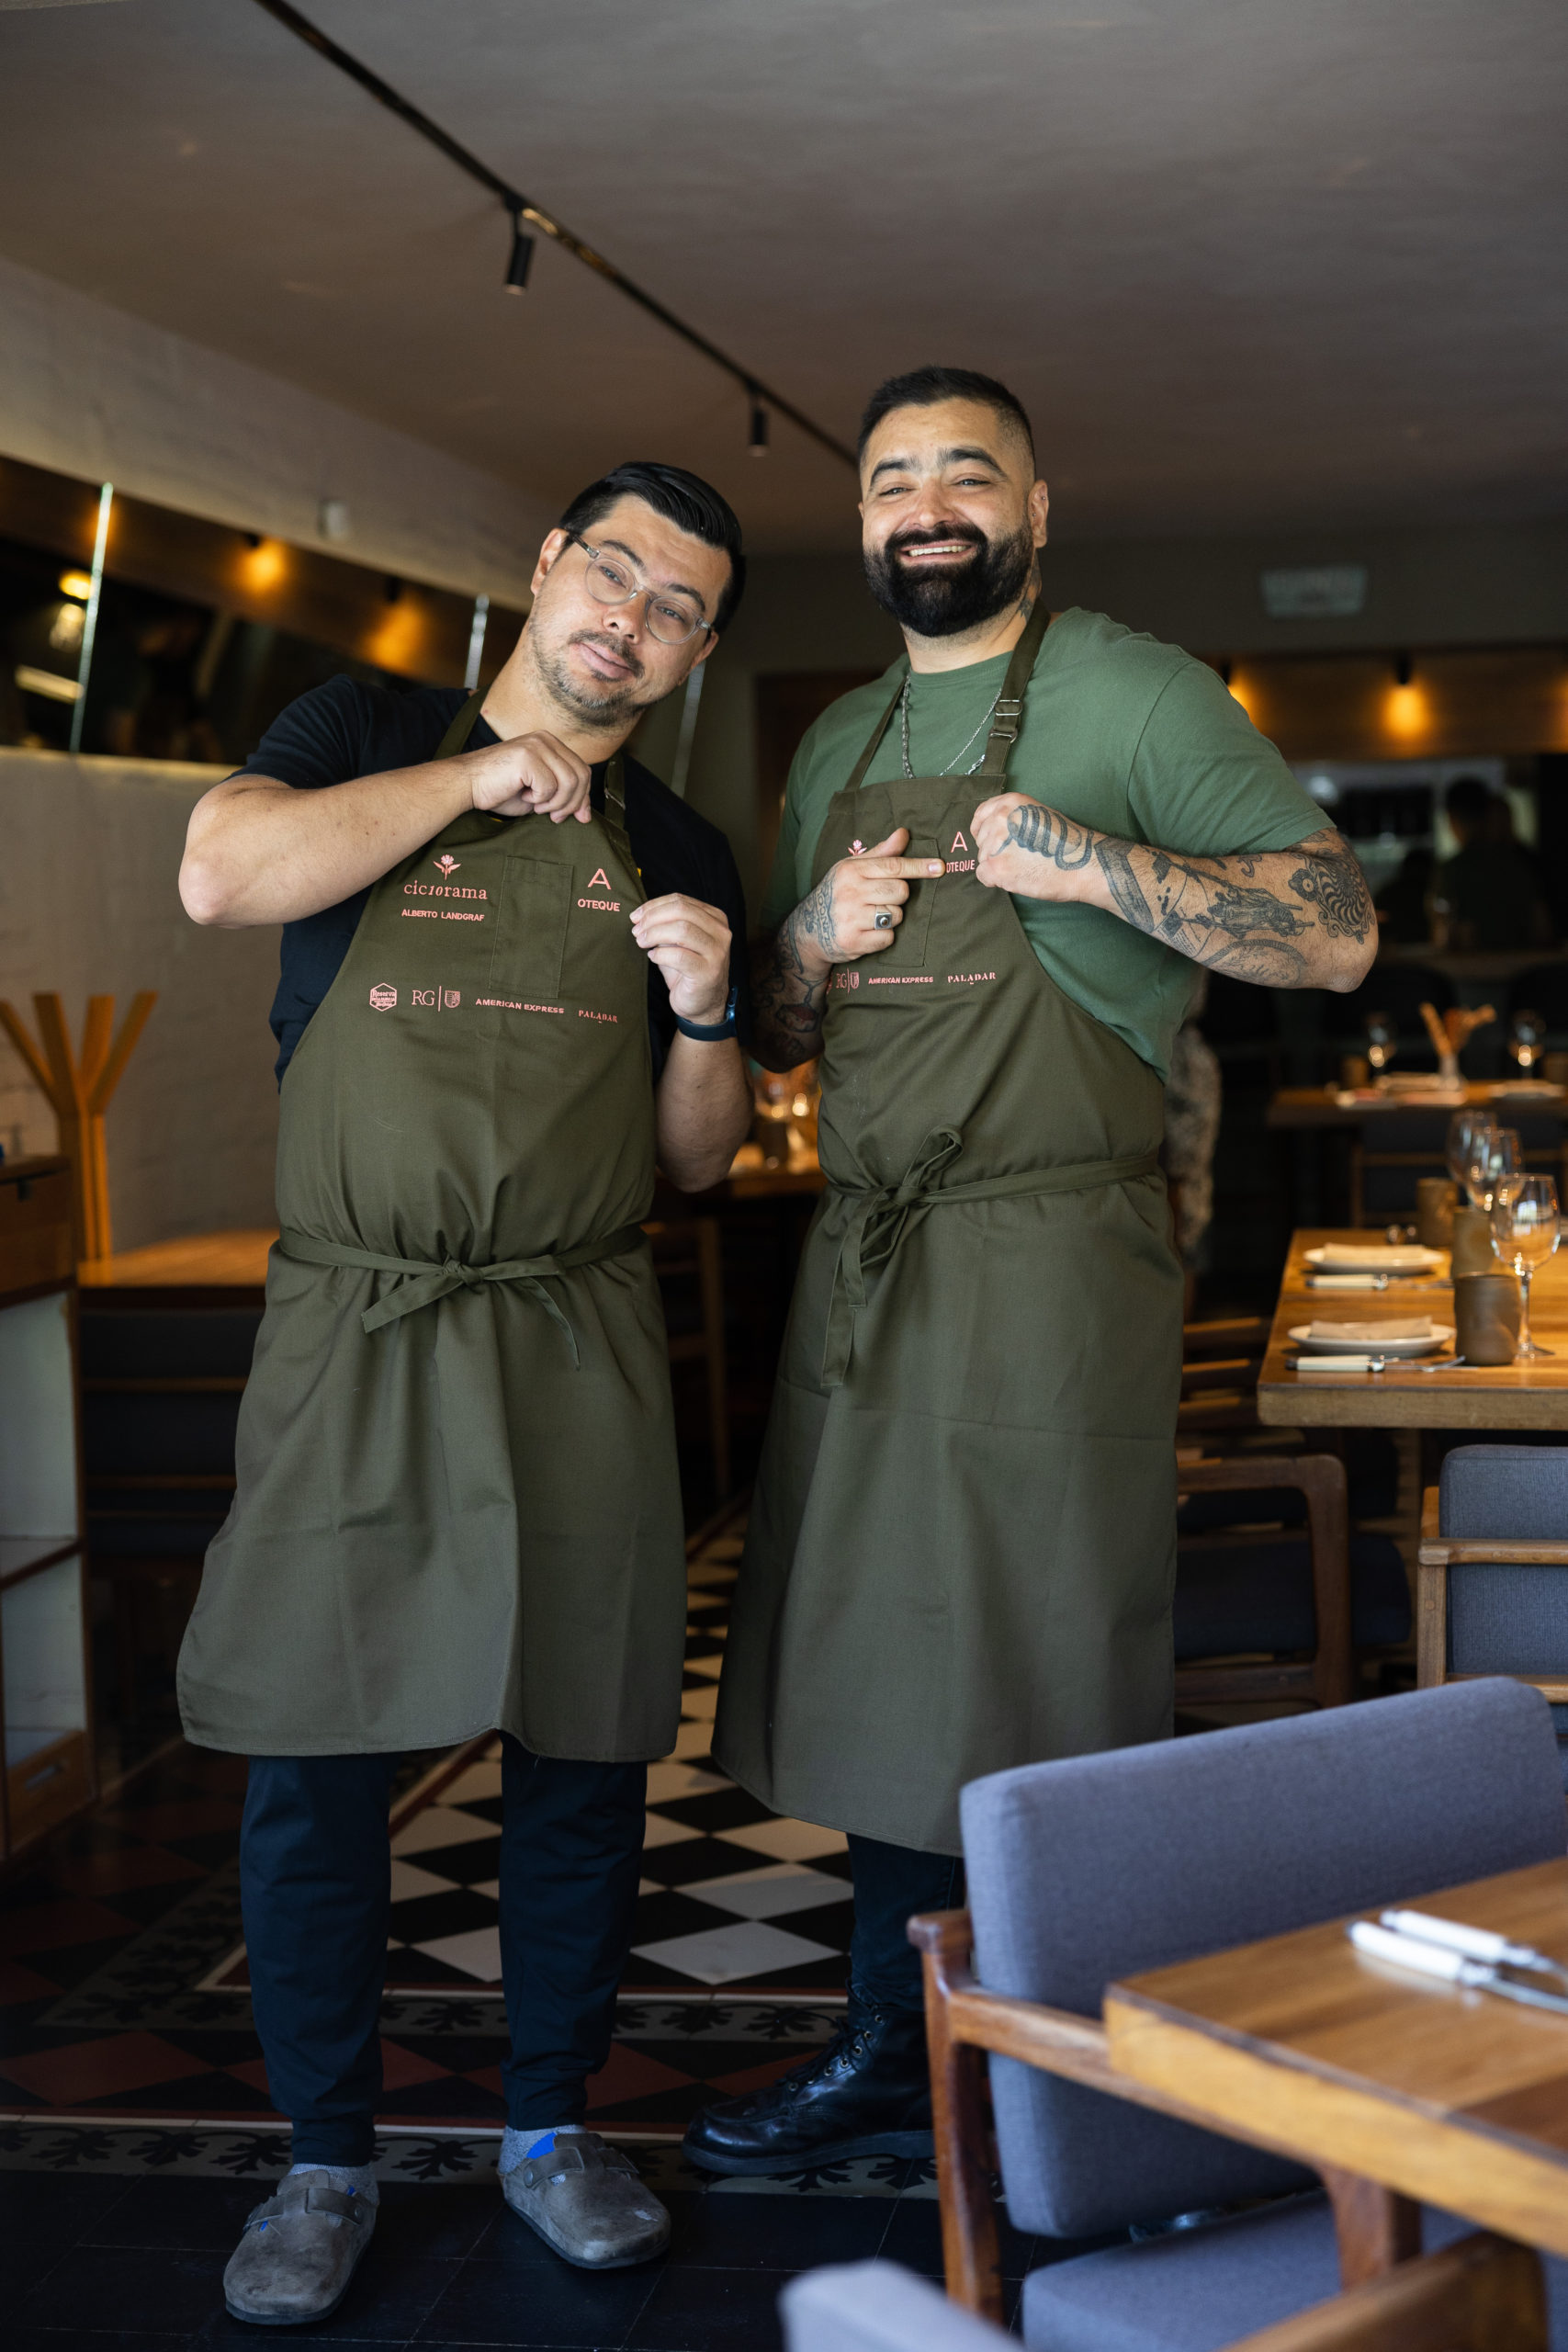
[1464, 1128]
[1383, 1040]
[1527, 1037]
[1525, 1232]
[1497, 1166]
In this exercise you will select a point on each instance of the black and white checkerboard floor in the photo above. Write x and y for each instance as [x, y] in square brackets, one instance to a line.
[730, 1895]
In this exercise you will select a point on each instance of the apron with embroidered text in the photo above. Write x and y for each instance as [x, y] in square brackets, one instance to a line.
[962, 1546]
[458, 1508]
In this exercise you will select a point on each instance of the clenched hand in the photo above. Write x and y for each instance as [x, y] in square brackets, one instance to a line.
[690, 943]
[530, 775]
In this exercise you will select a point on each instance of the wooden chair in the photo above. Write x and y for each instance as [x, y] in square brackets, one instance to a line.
[1327, 1679]
[1087, 1870]
[690, 1250]
[1220, 1363]
[1489, 1599]
[1482, 2295]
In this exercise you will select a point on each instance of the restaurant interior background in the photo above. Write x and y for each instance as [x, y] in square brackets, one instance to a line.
[1279, 283]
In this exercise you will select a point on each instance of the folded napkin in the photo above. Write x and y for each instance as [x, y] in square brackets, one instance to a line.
[1362, 1335]
[1379, 1258]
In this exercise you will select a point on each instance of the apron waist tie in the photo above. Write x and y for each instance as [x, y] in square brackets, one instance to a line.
[432, 1279]
[881, 1219]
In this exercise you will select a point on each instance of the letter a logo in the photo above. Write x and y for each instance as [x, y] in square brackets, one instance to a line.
[958, 842]
[601, 876]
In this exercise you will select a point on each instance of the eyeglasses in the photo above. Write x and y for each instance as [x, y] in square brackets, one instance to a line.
[610, 582]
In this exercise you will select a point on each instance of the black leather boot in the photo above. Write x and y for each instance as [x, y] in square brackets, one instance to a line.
[868, 2094]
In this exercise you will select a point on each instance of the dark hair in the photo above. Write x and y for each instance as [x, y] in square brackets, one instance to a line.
[1468, 797]
[683, 499]
[924, 386]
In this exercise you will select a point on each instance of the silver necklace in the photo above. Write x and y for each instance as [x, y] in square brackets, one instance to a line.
[953, 764]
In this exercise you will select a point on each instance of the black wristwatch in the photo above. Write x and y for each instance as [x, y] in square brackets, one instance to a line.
[708, 1032]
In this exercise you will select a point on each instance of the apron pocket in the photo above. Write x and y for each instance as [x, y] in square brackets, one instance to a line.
[530, 939]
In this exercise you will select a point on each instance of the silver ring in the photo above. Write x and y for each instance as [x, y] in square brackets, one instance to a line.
[884, 921]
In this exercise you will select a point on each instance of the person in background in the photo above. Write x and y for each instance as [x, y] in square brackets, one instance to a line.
[1487, 893]
[1404, 902]
[507, 986]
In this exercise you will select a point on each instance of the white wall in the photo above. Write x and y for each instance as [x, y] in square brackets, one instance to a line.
[89, 390]
[88, 906]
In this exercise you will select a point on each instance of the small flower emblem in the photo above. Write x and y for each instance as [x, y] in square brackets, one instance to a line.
[446, 866]
[857, 849]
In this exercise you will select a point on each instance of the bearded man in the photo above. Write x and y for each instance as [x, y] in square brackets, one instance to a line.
[999, 869]
[506, 990]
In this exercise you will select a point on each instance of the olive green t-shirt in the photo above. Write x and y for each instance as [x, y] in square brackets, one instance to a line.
[1121, 732]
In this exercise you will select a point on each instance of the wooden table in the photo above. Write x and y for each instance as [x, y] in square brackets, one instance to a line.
[1319, 1106]
[1449, 2097]
[1509, 1397]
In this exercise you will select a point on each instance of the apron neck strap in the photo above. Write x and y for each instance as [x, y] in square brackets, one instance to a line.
[462, 727]
[1007, 718]
[616, 792]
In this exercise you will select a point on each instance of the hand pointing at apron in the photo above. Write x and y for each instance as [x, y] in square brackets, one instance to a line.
[858, 904]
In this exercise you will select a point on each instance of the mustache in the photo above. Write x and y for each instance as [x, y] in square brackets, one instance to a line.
[616, 645]
[913, 537]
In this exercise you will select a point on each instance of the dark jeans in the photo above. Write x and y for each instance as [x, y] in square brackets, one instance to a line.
[315, 1882]
[892, 1883]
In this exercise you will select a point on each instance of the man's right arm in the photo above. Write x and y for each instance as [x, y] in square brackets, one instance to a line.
[261, 852]
[835, 923]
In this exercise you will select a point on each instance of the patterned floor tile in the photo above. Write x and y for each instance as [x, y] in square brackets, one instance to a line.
[730, 1955]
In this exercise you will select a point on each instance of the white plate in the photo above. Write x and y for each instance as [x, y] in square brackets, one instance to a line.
[1369, 1258]
[1442, 1337]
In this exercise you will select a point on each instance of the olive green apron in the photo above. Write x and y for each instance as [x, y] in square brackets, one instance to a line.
[457, 1505]
[963, 1543]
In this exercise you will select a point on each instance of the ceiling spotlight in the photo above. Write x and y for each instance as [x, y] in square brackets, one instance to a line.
[758, 443]
[1403, 669]
[522, 256]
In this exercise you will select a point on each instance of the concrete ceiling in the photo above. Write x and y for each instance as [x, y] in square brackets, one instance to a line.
[1252, 264]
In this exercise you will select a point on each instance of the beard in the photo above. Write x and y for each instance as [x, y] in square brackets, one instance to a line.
[945, 604]
[599, 700]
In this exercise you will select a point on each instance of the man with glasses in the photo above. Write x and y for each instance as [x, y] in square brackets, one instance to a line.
[509, 982]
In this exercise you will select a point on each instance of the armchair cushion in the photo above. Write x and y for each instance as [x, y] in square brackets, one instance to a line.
[1097, 1867]
[1196, 2291]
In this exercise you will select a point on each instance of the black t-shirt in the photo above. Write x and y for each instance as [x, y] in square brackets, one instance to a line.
[346, 729]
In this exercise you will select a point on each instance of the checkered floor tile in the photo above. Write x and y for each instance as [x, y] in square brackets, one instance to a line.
[731, 1896]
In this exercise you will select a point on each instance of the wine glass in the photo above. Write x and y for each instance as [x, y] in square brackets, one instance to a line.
[1383, 1039]
[1525, 1231]
[1497, 1166]
[1526, 1039]
[1464, 1128]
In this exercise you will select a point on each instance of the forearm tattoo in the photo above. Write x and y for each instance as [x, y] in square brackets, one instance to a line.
[1045, 833]
[1267, 917]
[787, 1003]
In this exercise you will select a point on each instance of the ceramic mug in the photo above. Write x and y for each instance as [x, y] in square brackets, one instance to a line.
[1473, 1253]
[1355, 1071]
[1435, 1201]
[1486, 1317]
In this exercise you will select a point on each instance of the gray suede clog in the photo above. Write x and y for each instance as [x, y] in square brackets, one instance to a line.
[588, 2202]
[297, 2253]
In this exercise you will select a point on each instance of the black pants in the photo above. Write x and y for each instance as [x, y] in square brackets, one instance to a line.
[892, 1883]
[315, 1882]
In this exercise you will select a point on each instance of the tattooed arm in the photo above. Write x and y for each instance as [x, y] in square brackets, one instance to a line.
[834, 924]
[1297, 918]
